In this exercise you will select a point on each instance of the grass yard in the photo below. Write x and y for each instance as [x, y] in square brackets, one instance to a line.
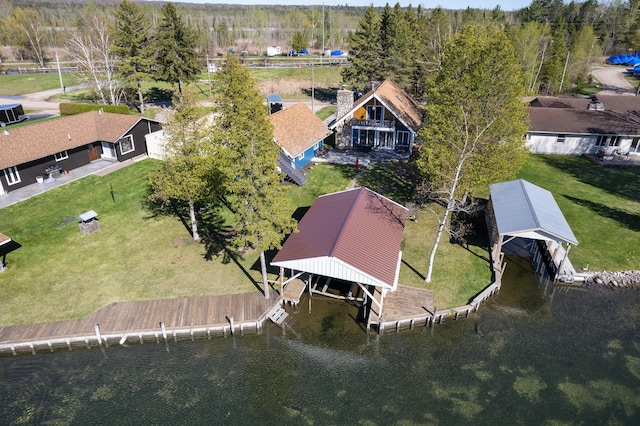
[21, 84]
[459, 272]
[58, 273]
[61, 274]
[601, 204]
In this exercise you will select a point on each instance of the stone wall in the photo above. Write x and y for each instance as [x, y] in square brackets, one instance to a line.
[614, 279]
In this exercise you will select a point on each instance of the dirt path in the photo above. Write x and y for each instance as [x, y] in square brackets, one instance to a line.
[613, 81]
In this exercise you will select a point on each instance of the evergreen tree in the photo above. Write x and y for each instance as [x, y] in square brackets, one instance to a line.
[187, 173]
[475, 121]
[263, 214]
[130, 32]
[176, 61]
[365, 41]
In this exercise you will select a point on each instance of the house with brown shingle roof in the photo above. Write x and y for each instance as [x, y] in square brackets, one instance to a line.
[576, 126]
[300, 134]
[31, 152]
[385, 118]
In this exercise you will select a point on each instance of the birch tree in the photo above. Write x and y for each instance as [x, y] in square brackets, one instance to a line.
[474, 123]
[28, 32]
[90, 48]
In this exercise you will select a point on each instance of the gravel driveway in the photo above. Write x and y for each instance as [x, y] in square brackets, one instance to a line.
[613, 81]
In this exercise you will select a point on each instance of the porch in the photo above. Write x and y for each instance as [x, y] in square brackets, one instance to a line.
[365, 158]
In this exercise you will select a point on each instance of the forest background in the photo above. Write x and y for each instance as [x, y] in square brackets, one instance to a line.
[556, 43]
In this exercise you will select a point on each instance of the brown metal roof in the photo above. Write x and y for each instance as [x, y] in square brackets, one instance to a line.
[298, 128]
[38, 140]
[357, 229]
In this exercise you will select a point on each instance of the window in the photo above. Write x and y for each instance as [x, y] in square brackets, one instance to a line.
[12, 175]
[635, 146]
[385, 139]
[608, 141]
[300, 157]
[560, 138]
[126, 144]
[403, 138]
[375, 112]
[61, 156]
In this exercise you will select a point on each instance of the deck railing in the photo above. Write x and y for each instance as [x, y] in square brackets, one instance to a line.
[385, 124]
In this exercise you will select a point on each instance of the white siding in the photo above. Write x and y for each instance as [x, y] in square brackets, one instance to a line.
[155, 144]
[546, 143]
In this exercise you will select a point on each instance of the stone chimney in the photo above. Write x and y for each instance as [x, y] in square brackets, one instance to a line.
[344, 103]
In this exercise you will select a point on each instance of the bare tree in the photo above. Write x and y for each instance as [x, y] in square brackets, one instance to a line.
[29, 32]
[91, 51]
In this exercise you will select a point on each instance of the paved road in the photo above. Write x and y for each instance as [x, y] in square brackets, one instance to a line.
[44, 106]
[613, 81]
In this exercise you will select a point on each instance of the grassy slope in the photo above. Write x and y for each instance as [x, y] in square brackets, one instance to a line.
[601, 204]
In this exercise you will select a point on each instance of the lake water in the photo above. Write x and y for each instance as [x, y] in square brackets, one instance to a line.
[573, 358]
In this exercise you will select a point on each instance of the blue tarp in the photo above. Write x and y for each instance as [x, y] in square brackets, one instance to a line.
[629, 60]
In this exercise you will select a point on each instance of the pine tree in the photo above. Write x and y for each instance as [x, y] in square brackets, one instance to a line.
[365, 41]
[187, 173]
[263, 214]
[130, 32]
[176, 61]
[475, 121]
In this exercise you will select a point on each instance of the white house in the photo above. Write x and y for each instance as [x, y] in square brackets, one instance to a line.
[576, 126]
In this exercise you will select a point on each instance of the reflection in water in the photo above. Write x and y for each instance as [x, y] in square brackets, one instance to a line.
[573, 358]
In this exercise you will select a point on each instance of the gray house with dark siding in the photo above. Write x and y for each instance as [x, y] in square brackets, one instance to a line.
[28, 153]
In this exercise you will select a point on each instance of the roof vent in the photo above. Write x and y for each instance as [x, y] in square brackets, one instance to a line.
[595, 105]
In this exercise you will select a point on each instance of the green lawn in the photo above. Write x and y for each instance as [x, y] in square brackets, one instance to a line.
[61, 274]
[601, 204]
[21, 84]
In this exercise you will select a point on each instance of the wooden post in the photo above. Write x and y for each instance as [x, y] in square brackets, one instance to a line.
[97, 328]
[164, 332]
[232, 326]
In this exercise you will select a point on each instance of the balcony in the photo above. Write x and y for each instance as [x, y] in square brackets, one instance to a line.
[374, 124]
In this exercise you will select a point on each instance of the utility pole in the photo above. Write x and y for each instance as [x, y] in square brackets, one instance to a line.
[59, 72]
[322, 55]
[209, 73]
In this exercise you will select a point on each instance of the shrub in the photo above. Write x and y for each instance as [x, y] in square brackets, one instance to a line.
[69, 108]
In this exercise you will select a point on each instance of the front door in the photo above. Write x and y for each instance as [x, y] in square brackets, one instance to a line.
[108, 150]
[93, 153]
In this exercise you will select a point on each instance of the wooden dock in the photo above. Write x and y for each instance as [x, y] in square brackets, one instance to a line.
[157, 320]
[293, 291]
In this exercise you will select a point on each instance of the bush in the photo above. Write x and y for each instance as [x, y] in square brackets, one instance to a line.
[69, 108]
